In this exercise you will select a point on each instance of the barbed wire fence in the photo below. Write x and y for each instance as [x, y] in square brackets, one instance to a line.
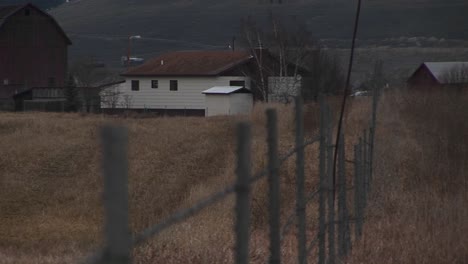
[331, 245]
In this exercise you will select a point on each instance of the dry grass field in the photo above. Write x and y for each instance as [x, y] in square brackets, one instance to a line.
[51, 184]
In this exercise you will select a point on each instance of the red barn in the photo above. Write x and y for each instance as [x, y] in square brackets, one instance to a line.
[33, 51]
[437, 74]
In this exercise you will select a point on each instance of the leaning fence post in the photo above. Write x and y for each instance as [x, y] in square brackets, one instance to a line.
[322, 183]
[115, 168]
[242, 194]
[343, 227]
[300, 200]
[274, 187]
[357, 190]
[331, 190]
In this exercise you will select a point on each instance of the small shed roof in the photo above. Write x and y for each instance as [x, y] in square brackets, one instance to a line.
[226, 90]
[440, 69]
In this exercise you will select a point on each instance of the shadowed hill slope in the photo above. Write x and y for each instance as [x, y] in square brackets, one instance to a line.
[100, 27]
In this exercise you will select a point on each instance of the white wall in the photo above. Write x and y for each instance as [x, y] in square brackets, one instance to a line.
[240, 103]
[228, 104]
[188, 96]
[217, 104]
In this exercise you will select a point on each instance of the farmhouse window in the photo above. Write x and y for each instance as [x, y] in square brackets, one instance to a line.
[237, 83]
[174, 86]
[135, 85]
[154, 84]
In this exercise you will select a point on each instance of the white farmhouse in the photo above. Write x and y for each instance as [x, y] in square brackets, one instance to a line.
[174, 82]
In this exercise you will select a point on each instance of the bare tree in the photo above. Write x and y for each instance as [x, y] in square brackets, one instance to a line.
[89, 74]
[293, 58]
[127, 101]
[110, 97]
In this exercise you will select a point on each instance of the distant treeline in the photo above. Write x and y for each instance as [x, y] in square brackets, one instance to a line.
[44, 4]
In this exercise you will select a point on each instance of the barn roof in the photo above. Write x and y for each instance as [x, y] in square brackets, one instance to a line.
[226, 90]
[9, 10]
[440, 69]
[191, 63]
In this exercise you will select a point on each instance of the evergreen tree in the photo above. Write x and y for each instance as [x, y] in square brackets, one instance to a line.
[72, 103]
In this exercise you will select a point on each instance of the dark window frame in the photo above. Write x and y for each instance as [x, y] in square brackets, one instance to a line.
[173, 85]
[153, 82]
[135, 85]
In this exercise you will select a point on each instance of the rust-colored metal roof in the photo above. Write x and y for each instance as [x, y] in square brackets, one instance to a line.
[191, 63]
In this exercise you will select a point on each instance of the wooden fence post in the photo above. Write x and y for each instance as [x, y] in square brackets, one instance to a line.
[115, 168]
[274, 187]
[300, 200]
[331, 194]
[343, 225]
[242, 193]
[323, 181]
[358, 189]
[365, 164]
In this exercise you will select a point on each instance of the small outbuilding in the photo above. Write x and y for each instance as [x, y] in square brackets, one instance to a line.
[228, 100]
[440, 74]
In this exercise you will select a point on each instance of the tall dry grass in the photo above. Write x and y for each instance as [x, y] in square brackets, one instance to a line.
[51, 185]
[419, 206]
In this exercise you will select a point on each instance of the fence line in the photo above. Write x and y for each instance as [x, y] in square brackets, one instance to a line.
[119, 243]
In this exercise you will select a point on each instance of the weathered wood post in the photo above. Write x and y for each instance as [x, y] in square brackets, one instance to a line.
[323, 181]
[358, 189]
[274, 187]
[115, 169]
[300, 199]
[243, 193]
[342, 207]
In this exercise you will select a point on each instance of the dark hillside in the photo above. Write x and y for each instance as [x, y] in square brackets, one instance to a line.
[44, 4]
[100, 27]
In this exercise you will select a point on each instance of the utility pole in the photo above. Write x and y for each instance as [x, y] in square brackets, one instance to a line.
[129, 47]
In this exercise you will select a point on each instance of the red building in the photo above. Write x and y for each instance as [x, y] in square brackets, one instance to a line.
[438, 74]
[33, 51]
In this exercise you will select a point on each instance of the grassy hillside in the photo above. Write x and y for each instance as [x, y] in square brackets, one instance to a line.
[51, 185]
[45, 4]
[100, 27]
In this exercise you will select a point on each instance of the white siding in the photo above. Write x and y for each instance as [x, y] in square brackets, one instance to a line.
[188, 96]
[228, 104]
[217, 104]
[240, 103]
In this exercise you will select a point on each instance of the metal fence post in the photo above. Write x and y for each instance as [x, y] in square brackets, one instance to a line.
[331, 194]
[115, 169]
[274, 187]
[375, 98]
[343, 226]
[300, 199]
[358, 191]
[242, 194]
[365, 162]
[322, 184]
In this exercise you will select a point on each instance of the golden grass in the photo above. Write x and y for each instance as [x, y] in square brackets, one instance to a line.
[51, 185]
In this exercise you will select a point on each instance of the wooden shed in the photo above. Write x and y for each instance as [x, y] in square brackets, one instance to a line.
[228, 100]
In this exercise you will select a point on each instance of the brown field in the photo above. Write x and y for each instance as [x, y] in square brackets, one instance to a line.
[51, 184]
